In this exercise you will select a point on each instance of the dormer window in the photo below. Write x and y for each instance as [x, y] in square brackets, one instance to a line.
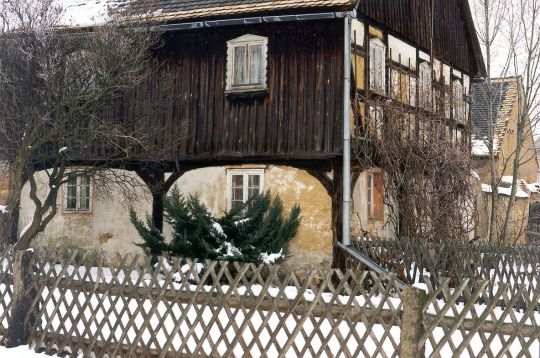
[246, 64]
[377, 66]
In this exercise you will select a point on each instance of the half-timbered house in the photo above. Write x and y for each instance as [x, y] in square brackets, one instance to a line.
[262, 92]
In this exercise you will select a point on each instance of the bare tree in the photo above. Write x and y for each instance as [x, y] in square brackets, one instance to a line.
[508, 33]
[524, 54]
[60, 89]
[489, 22]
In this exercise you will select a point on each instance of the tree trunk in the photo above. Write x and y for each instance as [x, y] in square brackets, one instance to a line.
[515, 171]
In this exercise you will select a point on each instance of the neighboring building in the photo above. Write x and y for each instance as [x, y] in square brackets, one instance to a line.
[505, 111]
[259, 105]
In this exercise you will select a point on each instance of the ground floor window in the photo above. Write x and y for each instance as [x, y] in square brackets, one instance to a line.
[78, 196]
[243, 184]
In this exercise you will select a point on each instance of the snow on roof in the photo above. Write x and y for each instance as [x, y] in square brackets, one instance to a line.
[87, 12]
[479, 147]
[522, 191]
[534, 187]
[83, 12]
[507, 179]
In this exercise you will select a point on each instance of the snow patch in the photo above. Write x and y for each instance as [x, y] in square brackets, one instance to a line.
[231, 250]
[62, 150]
[3, 209]
[21, 352]
[475, 175]
[218, 228]
[25, 229]
[242, 221]
[271, 258]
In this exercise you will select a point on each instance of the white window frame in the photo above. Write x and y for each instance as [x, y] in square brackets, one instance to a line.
[377, 70]
[245, 188]
[246, 41]
[370, 202]
[78, 196]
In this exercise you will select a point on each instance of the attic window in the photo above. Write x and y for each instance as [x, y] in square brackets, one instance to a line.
[246, 64]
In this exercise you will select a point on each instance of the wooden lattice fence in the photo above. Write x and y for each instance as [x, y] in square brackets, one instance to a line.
[124, 306]
[82, 303]
[415, 261]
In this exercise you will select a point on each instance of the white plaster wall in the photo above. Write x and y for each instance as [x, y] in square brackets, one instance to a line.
[109, 217]
[312, 247]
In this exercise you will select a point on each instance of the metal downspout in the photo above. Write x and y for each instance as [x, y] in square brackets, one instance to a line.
[346, 238]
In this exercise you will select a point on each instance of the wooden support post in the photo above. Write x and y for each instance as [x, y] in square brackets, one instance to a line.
[337, 217]
[411, 323]
[158, 186]
[21, 300]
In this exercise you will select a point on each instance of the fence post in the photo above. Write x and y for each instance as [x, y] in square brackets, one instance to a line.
[411, 322]
[22, 276]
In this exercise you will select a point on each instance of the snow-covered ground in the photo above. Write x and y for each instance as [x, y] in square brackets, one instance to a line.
[20, 352]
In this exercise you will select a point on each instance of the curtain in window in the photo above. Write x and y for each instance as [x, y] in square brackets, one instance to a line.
[240, 73]
[255, 64]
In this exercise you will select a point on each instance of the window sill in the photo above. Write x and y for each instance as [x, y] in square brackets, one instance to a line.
[74, 212]
[246, 93]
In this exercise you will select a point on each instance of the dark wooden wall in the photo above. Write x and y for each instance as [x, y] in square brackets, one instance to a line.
[411, 19]
[299, 118]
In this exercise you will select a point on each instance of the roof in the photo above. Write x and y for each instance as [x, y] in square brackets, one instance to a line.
[82, 12]
[170, 10]
[504, 95]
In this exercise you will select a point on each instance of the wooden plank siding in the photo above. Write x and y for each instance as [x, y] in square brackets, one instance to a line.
[411, 20]
[299, 118]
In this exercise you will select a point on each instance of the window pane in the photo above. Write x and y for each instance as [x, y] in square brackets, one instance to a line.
[255, 181]
[240, 65]
[254, 185]
[71, 194]
[84, 200]
[255, 64]
[237, 180]
[236, 204]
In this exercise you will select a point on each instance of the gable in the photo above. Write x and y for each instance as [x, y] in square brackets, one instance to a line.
[454, 36]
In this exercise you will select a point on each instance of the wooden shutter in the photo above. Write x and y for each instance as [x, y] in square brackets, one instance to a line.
[378, 196]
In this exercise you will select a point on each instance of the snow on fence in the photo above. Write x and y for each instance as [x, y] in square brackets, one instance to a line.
[94, 305]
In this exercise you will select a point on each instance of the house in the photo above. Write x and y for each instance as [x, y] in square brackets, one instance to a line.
[262, 92]
[506, 111]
